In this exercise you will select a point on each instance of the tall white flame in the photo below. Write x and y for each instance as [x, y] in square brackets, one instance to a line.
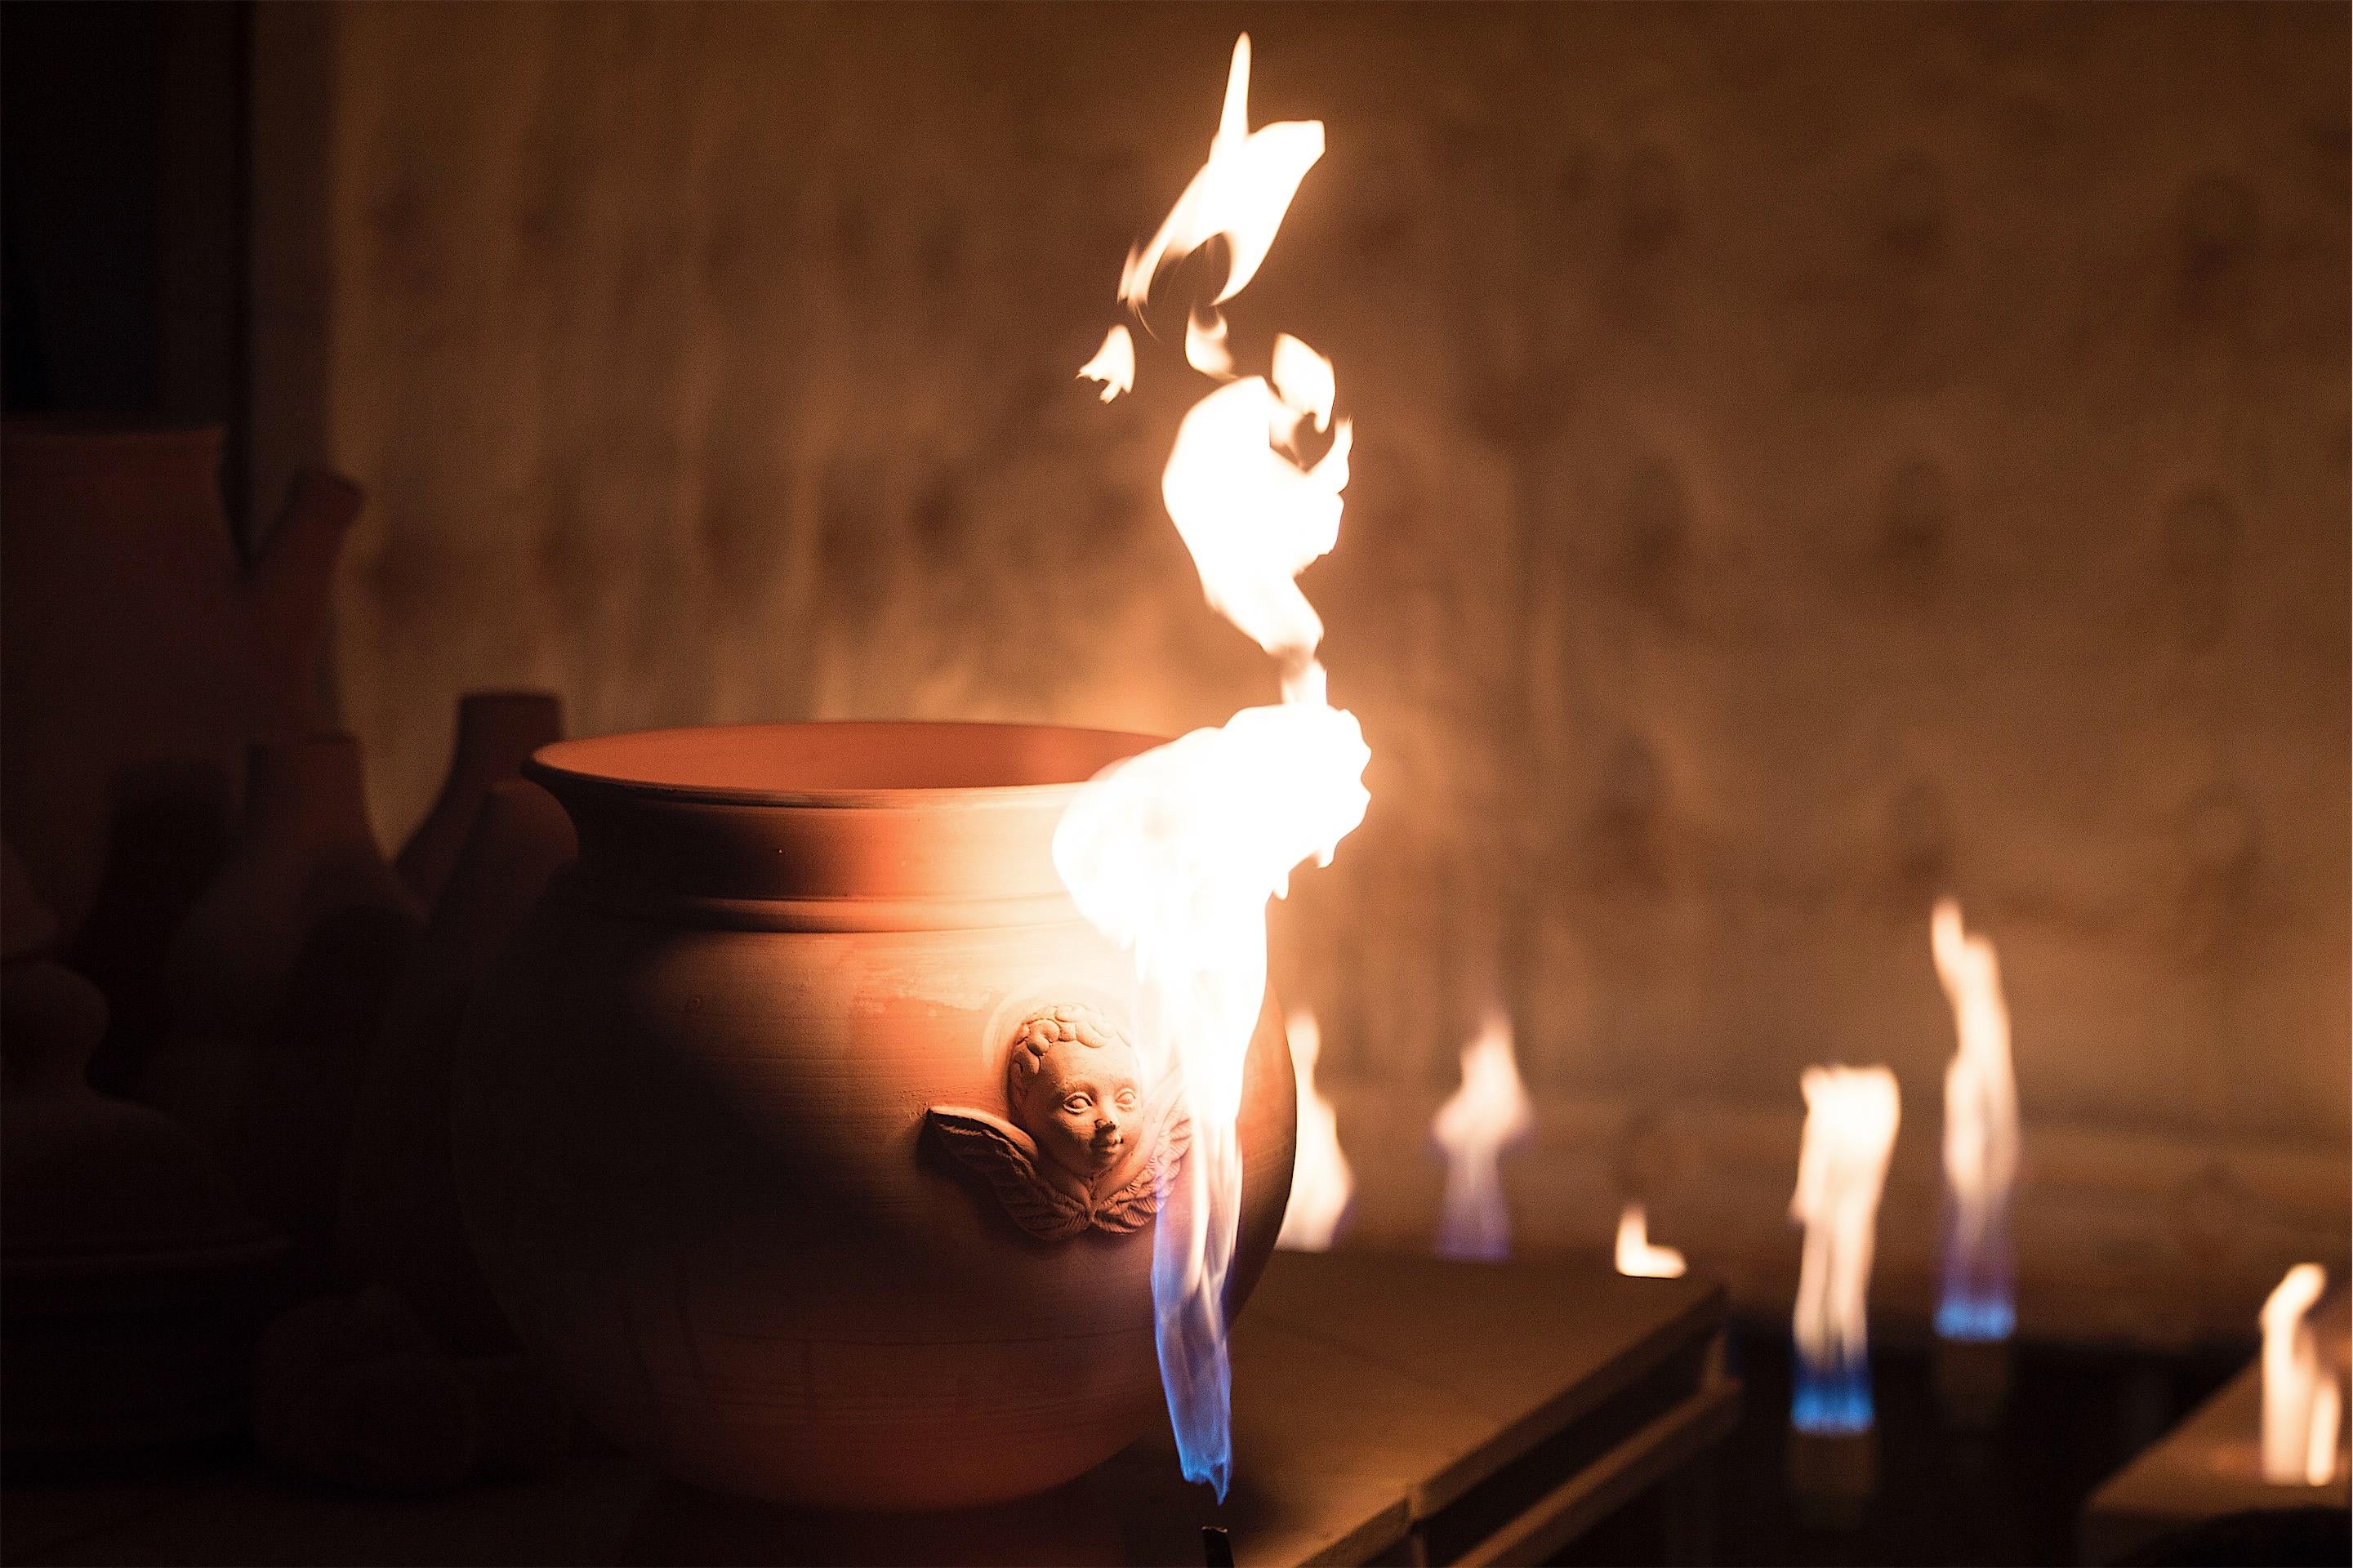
[1981, 1144]
[1637, 1256]
[2301, 1405]
[1174, 853]
[1489, 1111]
[1850, 1119]
[1321, 1182]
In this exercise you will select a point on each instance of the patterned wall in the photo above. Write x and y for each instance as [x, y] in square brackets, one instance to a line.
[1808, 459]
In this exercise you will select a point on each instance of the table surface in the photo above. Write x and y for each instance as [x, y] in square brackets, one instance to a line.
[1370, 1393]
[2210, 1466]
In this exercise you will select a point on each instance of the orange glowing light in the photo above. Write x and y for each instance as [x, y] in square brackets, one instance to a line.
[2301, 1405]
[1851, 1119]
[1488, 1113]
[1321, 1182]
[1981, 1142]
[1637, 1256]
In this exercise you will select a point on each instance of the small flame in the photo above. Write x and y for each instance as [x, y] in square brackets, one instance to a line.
[1303, 379]
[1321, 1182]
[1114, 365]
[2301, 1401]
[1637, 1256]
[1977, 1301]
[1487, 1113]
[1174, 854]
[2321, 1453]
[1850, 1119]
[1204, 345]
[1241, 193]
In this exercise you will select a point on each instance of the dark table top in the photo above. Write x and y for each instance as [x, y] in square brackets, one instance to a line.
[1372, 1396]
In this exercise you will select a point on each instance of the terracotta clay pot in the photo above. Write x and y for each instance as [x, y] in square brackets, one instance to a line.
[699, 1117]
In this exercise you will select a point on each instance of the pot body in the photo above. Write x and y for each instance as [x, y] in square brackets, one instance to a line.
[690, 1117]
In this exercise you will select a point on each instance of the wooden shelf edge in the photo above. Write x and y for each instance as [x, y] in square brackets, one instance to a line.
[1703, 1317]
[1564, 1512]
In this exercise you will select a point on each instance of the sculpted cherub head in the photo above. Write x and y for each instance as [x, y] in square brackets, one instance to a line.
[1073, 1084]
[1091, 1145]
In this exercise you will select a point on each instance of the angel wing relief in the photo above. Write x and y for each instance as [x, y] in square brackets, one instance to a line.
[1089, 1145]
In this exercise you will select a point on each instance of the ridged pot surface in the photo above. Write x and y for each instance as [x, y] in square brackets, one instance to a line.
[694, 1135]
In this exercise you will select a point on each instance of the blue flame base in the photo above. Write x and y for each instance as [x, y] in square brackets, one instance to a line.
[1980, 1319]
[1831, 1400]
[1200, 1385]
[1189, 1327]
[1196, 1372]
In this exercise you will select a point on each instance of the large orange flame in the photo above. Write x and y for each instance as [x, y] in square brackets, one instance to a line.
[2301, 1405]
[1980, 1136]
[1488, 1112]
[1851, 1119]
[1175, 853]
[1321, 1182]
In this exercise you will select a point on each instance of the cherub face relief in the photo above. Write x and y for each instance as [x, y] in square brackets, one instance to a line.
[1083, 1108]
[1090, 1146]
[1076, 1090]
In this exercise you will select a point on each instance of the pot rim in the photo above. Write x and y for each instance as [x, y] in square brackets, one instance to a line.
[588, 763]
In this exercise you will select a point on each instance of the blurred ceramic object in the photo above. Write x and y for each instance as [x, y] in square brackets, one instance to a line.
[134, 643]
[289, 1129]
[27, 926]
[131, 1281]
[690, 1112]
[497, 732]
[165, 841]
[304, 1398]
[305, 852]
[527, 1428]
[352, 1391]
[400, 1225]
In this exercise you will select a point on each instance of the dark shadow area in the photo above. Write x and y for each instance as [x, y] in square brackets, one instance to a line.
[2008, 1496]
[123, 211]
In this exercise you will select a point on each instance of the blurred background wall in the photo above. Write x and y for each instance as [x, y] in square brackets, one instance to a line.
[1809, 458]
